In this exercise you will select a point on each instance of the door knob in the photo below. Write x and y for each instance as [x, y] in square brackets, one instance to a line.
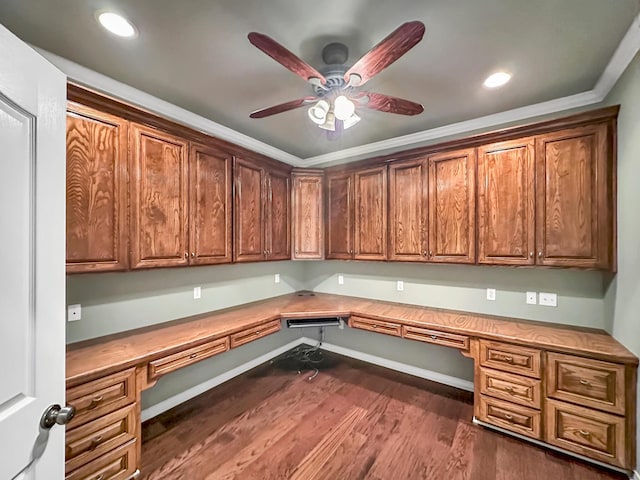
[57, 414]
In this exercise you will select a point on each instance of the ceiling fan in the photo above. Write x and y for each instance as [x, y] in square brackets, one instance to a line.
[336, 91]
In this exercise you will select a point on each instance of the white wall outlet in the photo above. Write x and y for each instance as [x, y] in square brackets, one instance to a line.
[532, 298]
[340, 279]
[197, 293]
[548, 299]
[276, 278]
[400, 285]
[74, 312]
[491, 294]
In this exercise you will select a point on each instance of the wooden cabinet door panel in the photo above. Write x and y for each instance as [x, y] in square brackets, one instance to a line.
[452, 207]
[158, 198]
[408, 185]
[278, 226]
[572, 206]
[370, 232]
[340, 216]
[96, 191]
[308, 223]
[210, 206]
[506, 203]
[249, 222]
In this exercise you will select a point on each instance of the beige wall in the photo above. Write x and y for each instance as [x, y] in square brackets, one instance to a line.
[623, 295]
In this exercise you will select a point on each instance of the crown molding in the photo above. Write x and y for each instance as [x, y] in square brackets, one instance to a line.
[622, 57]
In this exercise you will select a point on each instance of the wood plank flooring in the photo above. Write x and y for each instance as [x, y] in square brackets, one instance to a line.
[352, 421]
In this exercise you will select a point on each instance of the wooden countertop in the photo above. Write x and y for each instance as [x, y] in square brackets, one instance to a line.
[96, 357]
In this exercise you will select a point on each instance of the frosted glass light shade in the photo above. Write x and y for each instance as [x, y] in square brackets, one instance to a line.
[343, 107]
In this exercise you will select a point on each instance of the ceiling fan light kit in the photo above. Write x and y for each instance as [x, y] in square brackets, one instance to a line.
[335, 91]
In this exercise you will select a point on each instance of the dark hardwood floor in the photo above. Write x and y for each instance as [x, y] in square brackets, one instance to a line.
[352, 421]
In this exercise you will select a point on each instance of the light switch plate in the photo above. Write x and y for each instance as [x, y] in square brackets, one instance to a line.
[276, 278]
[197, 293]
[532, 298]
[74, 312]
[548, 299]
[340, 279]
[491, 294]
[400, 285]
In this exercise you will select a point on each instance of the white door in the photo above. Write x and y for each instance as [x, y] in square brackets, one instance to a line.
[32, 260]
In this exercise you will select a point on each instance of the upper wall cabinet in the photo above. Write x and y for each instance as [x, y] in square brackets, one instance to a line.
[262, 212]
[307, 207]
[506, 220]
[357, 214]
[96, 191]
[159, 179]
[210, 191]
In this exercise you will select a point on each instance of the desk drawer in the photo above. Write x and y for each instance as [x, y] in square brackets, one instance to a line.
[590, 433]
[512, 417]
[104, 395]
[512, 388]
[510, 358]
[254, 333]
[587, 382]
[436, 337]
[378, 326]
[95, 438]
[119, 464]
[170, 363]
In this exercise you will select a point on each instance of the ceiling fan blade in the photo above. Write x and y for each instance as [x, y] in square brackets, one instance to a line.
[283, 107]
[386, 52]
[386, 103]
[284, 57]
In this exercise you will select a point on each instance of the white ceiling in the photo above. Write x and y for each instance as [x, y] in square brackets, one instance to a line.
[195, 54]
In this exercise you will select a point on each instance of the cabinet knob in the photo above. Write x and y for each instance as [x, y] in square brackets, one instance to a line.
[540, 254]
[434, 337]
[530, 254]
[430, 253]
[424, 254]
[193, 355]
[193, 254]
[186, 254]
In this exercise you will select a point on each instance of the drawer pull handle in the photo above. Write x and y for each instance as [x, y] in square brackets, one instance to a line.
[508, 359]
[99, 477]
[509, 390]
[95, 442]
[584, 382]
[508, 417]
[193, 355]
[258, 332]
[434, 337]
[584, 433]
[95, 401]
[375, 326]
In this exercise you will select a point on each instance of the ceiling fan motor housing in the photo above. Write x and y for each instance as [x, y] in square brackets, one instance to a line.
[335, 53]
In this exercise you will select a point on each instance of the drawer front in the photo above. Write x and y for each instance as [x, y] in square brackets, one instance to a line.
[104, 395]
[587, 382]
[512, 388]
[512, 417]
[510, 358]
[170, 363]
[119, 464]
[254, 333]
[95, 438]
[588, 432]
[378, 326]
[436, 337]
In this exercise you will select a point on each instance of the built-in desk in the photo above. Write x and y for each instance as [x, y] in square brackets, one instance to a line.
[570, 388]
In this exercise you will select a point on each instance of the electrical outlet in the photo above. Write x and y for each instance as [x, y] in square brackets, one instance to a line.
[548, 299]
[74, 312]
[276, 278]
[340, 279]
[531, 298]
[197, 293]
[491, 294]
[400, 285]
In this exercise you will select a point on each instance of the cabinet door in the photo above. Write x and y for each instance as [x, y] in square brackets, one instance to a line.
[209, 206]
[249, 212]
[158, 198]
[340, 216]
[452, 207]
[96, 191]
[278, 225]
[572, 197]
[408, 188]
[308, 224]
[370, 232]
[505, 203]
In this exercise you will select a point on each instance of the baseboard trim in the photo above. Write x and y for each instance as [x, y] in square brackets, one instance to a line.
[398, 366]
[192, 392]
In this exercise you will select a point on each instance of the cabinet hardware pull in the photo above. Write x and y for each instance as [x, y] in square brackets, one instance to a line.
[430, 253]
[508, 416]
[186, 254]
[95, 442]
[530, 254]
[434, 337]
[193, 355]
[375, 326]
[540, 254]
[99, 477]
[193, 254]
[509, 389]
[258, 332]
[95, 401]
[508, 359]
[584, 433]
[424, 254]
[584, 382]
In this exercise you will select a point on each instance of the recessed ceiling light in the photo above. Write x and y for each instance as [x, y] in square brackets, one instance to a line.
[497, 79]
[117, 24]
